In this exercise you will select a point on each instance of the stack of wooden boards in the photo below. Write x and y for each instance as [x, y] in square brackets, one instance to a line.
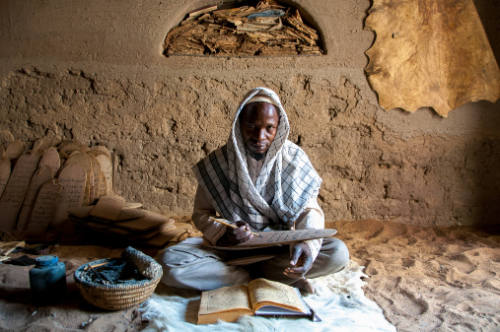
[38, 187]
[120, 222]
[269, 29]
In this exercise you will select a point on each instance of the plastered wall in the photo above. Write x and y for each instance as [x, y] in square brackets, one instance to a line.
[94, 71]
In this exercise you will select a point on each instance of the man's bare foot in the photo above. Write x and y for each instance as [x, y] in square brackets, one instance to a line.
[304, 285]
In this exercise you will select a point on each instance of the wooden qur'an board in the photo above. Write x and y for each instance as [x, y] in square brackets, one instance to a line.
[273, 238]
[15, 190]
[73, 180]
[4, 173]
[47, 168]
[44, 208]
[430, 53]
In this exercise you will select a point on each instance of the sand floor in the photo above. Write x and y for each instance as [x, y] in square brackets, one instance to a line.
[425, 279]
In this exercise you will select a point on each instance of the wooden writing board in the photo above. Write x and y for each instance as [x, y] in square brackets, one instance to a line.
[273, 238]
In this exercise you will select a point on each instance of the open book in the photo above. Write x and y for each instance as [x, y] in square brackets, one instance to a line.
[261, 297]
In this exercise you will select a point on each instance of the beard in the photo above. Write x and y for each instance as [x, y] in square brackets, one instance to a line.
[257, 156]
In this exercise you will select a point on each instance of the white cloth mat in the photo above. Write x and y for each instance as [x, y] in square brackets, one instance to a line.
[339, 302]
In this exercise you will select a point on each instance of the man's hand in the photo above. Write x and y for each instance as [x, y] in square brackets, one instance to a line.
[233, 236]
[300, 262]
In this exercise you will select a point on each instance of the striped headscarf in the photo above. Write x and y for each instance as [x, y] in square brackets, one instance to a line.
[286, 181]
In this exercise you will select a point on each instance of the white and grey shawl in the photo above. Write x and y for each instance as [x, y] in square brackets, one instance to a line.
[287, 179]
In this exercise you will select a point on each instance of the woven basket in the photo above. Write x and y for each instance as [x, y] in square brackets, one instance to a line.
[117, 296]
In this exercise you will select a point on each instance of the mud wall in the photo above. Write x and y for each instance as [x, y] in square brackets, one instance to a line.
[94, 72]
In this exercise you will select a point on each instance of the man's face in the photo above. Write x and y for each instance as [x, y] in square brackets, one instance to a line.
[258, 123]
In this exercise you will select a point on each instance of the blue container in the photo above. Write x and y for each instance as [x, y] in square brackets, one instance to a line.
[48, 279]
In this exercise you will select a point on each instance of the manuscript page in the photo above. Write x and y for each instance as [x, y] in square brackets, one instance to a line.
[226, 303]
[225, 298]
[263, 292]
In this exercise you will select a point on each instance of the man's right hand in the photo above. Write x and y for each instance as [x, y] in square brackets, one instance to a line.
[233, 236]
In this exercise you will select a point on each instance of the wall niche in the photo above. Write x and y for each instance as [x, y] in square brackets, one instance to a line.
[244, 28]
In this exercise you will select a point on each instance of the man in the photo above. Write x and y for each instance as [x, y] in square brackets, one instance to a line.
[258, 181]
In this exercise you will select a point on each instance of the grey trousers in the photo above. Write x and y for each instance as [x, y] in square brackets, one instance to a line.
[190, 265]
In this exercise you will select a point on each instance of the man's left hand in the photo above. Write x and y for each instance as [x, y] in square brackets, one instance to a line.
[300, 262]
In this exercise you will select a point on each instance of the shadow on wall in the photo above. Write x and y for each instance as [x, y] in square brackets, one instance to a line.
[487, 153]
[486, 160]
[489, 12]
